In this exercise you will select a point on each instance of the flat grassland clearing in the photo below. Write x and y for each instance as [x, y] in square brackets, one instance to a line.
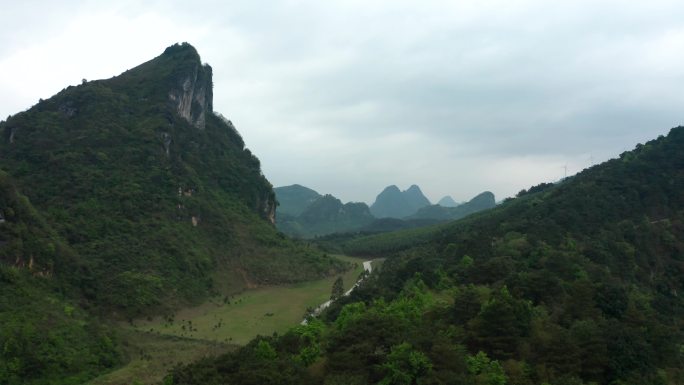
[262, 311]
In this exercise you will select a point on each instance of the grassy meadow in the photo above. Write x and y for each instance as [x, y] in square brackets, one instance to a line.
[152, 356]
[239, 318]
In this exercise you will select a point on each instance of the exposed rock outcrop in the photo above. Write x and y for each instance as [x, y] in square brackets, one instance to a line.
[266, 206]
[193, 96]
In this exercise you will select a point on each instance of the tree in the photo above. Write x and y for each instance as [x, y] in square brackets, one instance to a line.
[265, 350]
[405, 365]
[486, 370]
[337, 289]
[501, 323]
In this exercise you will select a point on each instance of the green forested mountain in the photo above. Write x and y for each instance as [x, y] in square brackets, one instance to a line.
[294, 199]
[326, 215]
[124, 197]
[303, 213]
[480, 202]
[45, 335]
[393, 203]
[576, 283]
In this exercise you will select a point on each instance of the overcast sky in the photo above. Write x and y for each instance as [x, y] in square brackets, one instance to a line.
[347, 97]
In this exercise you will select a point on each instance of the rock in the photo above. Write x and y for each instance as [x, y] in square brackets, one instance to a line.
[266, 206]
[166, 140]
[193, 98]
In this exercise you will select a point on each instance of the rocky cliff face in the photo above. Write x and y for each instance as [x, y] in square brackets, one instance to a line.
[266, 206]
[193, 97]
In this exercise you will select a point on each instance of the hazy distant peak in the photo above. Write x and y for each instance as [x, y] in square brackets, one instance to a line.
[447, 201]
[297, 187]
[485, 195]
[393, 203]
[294, 199]
[391, 188]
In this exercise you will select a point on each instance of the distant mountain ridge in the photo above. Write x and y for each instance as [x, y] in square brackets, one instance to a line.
[393, 203]
[294, 199]
[482, 201]
[447, 201]
[304, 213]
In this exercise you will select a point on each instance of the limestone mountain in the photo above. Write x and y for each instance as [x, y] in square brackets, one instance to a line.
[294, 199]
[393, 203]
[325, 215]
[447, 201]
[154, 192]
[482, 201]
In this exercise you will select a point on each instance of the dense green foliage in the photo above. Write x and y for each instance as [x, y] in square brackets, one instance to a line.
[577, 283]
[137, 198]
[153, 204]
[45, 337]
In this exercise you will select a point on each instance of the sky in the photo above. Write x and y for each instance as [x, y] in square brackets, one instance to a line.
[348, 97]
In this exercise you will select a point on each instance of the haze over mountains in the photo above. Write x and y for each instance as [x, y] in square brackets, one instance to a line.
[447, 201]
[130, 200]
[393, 203]
[481, 202]
[303, 212]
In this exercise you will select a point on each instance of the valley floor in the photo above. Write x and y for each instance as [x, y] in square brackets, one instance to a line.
[152, 356]
[219, 325]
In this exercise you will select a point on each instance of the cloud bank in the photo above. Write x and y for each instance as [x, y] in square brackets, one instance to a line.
[347, 97]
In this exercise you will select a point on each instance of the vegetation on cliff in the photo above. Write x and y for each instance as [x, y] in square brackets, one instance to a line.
[127, 196]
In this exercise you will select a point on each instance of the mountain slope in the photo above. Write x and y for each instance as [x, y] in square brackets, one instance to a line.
[447, 201]
[326, 215]
[482, 201]
[578, 283]
[46, 336]
[294, 199]
[153, 190]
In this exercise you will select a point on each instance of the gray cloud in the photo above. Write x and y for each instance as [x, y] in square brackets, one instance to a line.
[349, 96]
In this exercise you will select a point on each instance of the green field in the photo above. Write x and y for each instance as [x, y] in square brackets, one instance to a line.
[152, 356]
[260, 311]
[154, 346]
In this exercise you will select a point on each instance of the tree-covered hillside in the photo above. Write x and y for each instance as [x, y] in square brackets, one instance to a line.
[578, 283]
[294, 199]
[326, 215]
[150, 187]
[127, 197]
[45, 335]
